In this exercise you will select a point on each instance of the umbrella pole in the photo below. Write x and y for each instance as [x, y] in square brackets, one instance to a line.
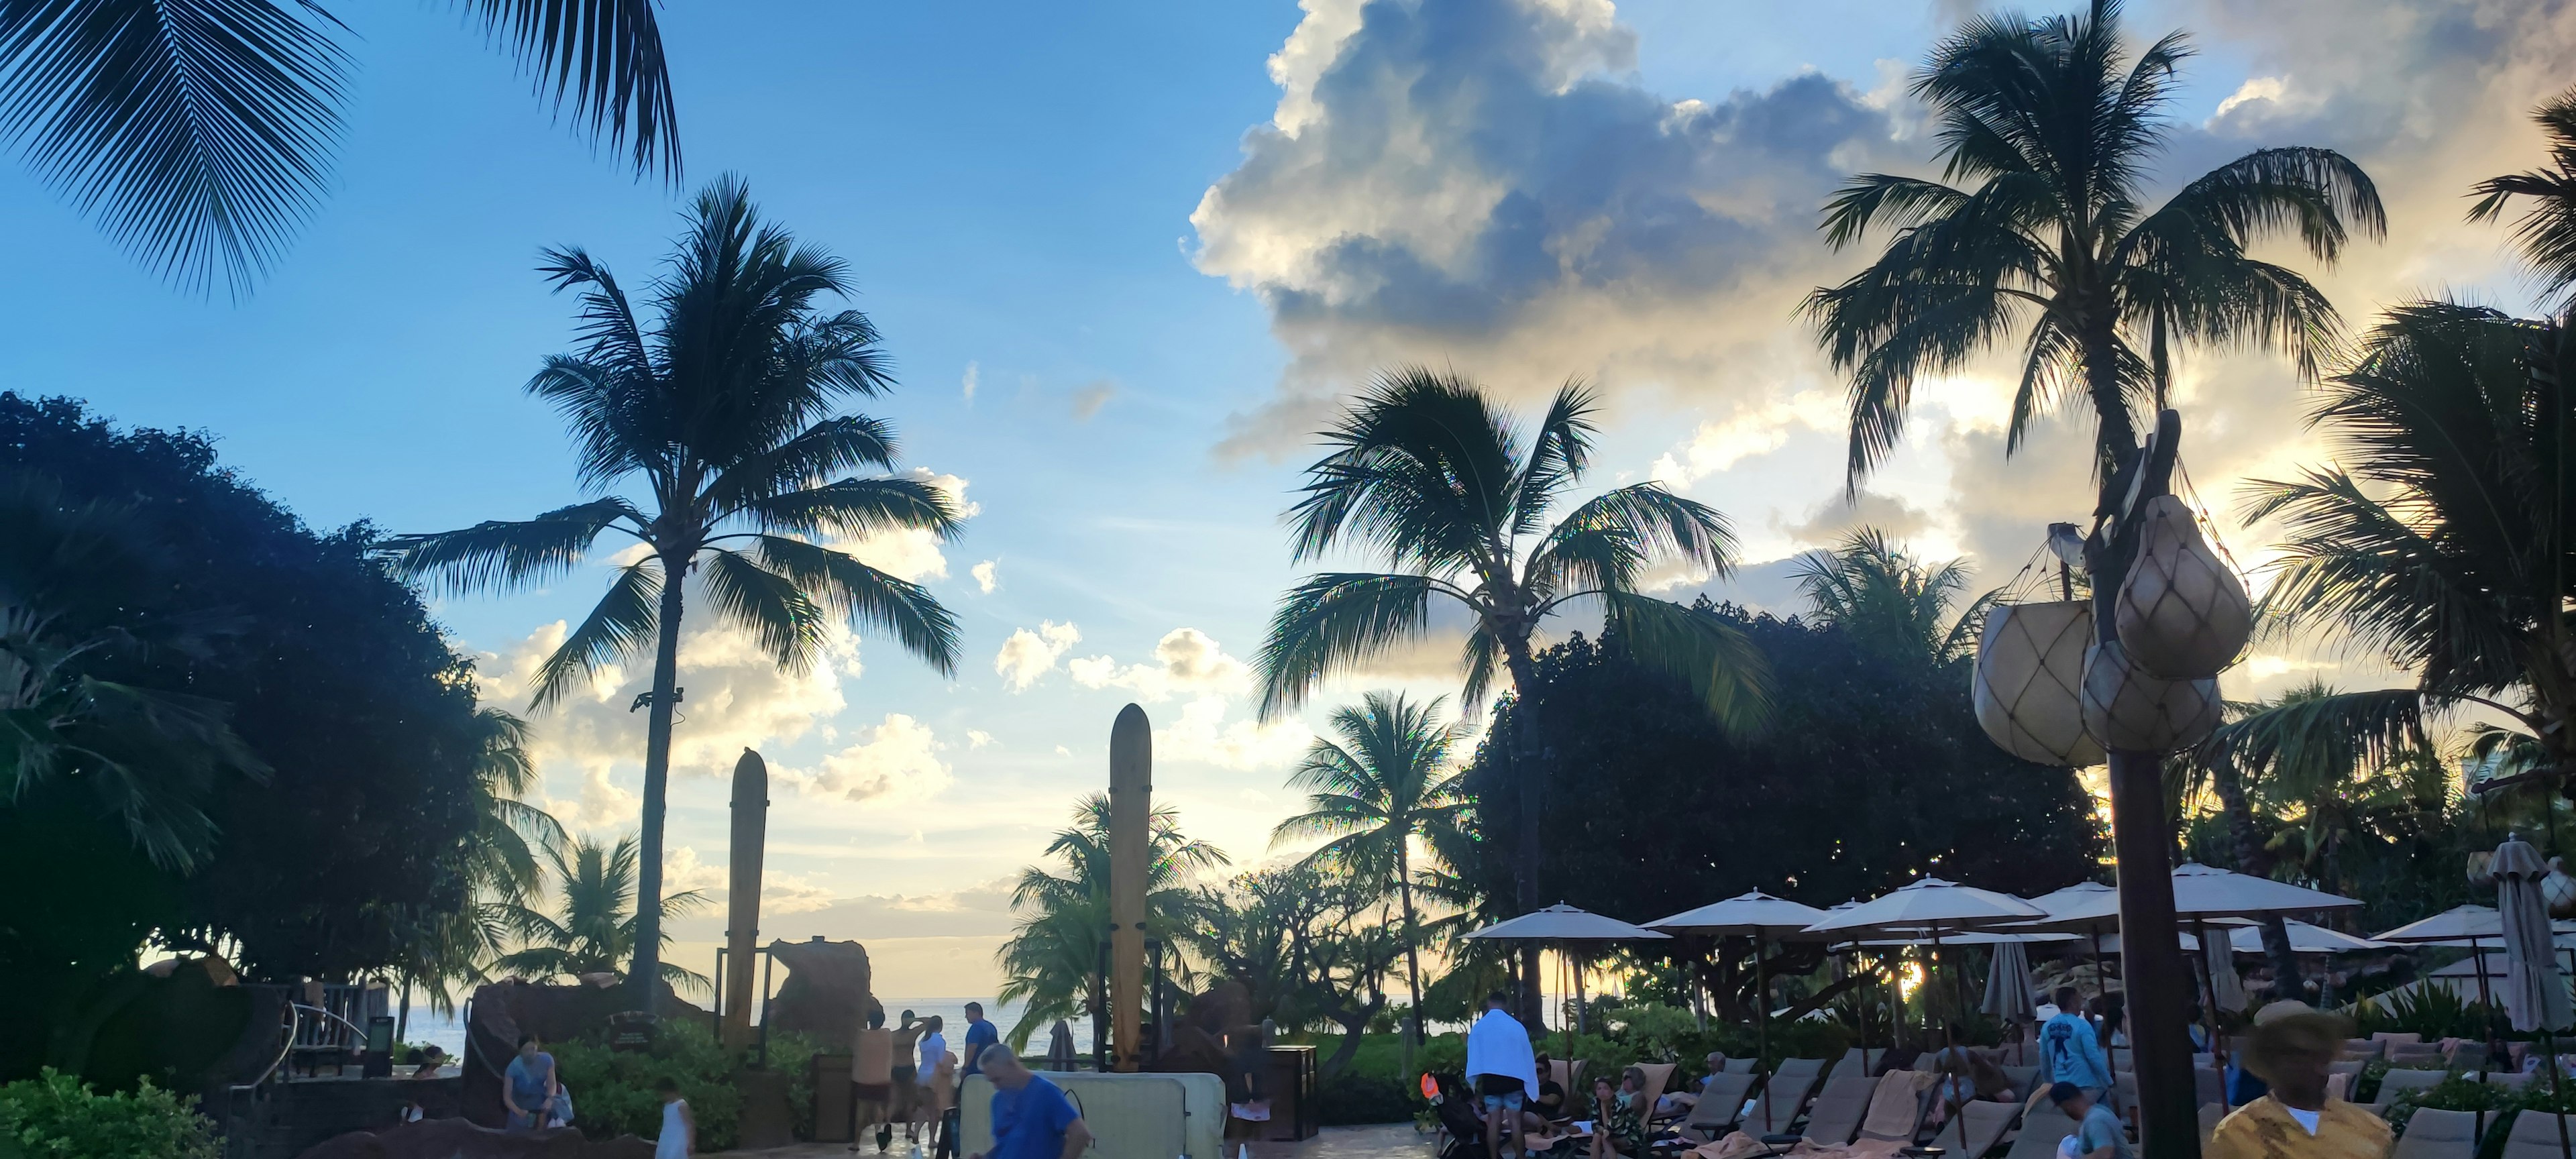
[2208, 980]
[2102, 989]
[1761, 1008]
[2557, 1107]
[2478, 960]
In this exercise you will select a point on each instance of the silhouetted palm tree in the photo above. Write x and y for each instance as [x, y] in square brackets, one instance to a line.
[1872, 588]
[2547, 230]
[1427, 474]
[596, 923]
[1053, 956]
[199, 132]
[1387, 781]
[722, 412]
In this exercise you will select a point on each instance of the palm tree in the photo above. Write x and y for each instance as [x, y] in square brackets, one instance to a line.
[1052, 959]
[596, 922]
[1869, 586]
[504, 868]
[199, 134]
[2052, 233]
[2438, 542]
[1386, 782]
[2547, 231]
[1429, 475]
[722, 412]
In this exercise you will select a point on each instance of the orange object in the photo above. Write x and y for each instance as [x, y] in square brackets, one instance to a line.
[1430, 1089]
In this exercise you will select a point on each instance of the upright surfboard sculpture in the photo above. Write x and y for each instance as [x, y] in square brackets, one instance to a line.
[742, 894]
[1131, 812]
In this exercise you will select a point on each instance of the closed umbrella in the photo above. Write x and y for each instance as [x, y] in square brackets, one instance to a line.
[2534, 998]
[1757, 915]
[1060, 1047]
[2218, 961]
[2008, 992]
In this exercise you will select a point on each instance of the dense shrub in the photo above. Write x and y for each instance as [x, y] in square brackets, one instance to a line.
[1349, 1099]
[612, 1091]
[57, 1116]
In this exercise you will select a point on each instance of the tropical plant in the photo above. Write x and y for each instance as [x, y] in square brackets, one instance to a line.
[2547, 231]
[723, 409]
[1309, 942]
[2438, 541]
[200, 133]
[57, 1116]
[1052, 961]
[1875, 589]
[1428, 474]
[504, 866]
[1387, 781]
[595, 924]
[2051, 231]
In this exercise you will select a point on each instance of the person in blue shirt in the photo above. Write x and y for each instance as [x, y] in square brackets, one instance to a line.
[980, 1036]
[2067, 1044]
[1031, 1117]
[2098, 1133]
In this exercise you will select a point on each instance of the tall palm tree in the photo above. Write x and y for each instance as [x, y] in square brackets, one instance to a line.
[1387, 781]
[505, 862]
[597, 921]
[1871, 587]
[199, 132]
[2049, 137]
[720, 416]
[2438, 541]
[1427, 474]
[2547, 231]
[1053, 956]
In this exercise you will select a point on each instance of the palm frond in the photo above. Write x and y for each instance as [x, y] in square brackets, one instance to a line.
[1720, 665]
[603, 61]
[1557, 456]
[1331, 623]
[766, 605]
[844, 586]
[508, 555]
[621, 625]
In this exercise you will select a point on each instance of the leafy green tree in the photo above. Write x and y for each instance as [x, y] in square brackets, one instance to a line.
[2547, 231]
[1310, 942]
[721, 412]
[1052, 960]
[199, 132]
[2047, 128]
[1386, 782]
[505, 867]
[1427, 474]
[1883, 595]
[595, 924]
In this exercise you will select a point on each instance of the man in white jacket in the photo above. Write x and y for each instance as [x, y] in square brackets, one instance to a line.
[1503, 1070]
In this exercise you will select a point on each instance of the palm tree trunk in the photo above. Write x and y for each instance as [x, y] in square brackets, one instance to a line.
[1525, 846]
[642, 979]
[1412, 955]
[2286, 982]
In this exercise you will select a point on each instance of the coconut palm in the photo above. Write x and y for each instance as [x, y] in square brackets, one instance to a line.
[1053, 956]
[505, 861]
[1387, 781]
[2047, 232]
[199, 132]
[1872, 588]
[2547, 231]
[719, 416]
[1429, 475]
[596, 922]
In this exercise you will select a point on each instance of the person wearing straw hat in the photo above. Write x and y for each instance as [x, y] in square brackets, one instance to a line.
[2293, 1047]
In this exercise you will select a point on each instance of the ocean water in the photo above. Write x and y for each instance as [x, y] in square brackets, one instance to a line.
[449, 1032]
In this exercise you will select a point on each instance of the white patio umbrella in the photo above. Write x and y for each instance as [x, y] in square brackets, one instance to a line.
[1934, 907]
[2534, 997]
[1561, 925]
[2305, 938]
[1757, 915]
[2203, 892]
[2460, 925]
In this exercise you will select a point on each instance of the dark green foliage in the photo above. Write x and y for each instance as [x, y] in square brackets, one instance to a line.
[56, 1116]
[1872, 773]
[2431, 1011]
[613, 1090]
[333, 675]
[1352, 1098]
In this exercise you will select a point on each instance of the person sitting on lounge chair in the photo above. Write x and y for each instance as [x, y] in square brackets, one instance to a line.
[1619, 1122]
[1550, 1104]
[1966, 1074]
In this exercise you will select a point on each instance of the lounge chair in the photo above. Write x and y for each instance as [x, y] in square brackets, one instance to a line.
[2022, 1078]
[1782, 1098]
[1741, 1065]
[1855, 1063]
[2041, 1131]
[2124, 1096]
[2416, 1054]
[2398, 1081]
[2362, 1048]
[1659, 1075]
[2397, 1036]
[2210, 1114]
[1838, 1109]
[2469, 1056]
[2535, 1136]
[2350, 1066]
[1719, 1109]
[1568, 1074]
[1976, 1128]
[2432, 1134]
[2512, 1080]
[1895, 1108]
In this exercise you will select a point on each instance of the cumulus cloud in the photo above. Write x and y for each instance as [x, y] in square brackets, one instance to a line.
[898, 762]
[1028, 655]
[1185, 660]
[985, 579]
[781, 893]
[1207, 733]
[913, 554]
[1475, 182]
[1837, 516]
[977, 738]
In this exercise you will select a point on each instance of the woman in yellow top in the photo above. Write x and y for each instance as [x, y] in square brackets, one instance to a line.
[2292, 1048]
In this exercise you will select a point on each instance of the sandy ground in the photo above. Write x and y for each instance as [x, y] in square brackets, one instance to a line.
[1389, 1141]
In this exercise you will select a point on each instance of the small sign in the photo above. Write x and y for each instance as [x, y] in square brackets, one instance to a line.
[631, 1031]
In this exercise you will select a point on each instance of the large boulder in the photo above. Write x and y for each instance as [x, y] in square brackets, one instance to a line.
[826, 995]
[458, 1139]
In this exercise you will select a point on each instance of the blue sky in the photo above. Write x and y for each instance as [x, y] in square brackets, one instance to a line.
[1024, 194]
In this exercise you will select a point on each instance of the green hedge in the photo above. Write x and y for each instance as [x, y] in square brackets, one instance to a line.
[57, 1116]
[1351, 1099]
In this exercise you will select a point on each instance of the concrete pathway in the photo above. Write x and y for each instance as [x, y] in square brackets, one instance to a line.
[1384, 1141]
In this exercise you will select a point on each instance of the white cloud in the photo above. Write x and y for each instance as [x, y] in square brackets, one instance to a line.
[966, 385]
[913, 554]
[1752, 431]
[984, 576]
[1090, 397]
[1028, 655]
[977, 738]
[898, 762]
[1203, 733]
[781, 893]
[1185, 660]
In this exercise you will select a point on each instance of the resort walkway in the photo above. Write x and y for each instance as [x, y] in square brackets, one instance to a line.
[1384, 1141]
